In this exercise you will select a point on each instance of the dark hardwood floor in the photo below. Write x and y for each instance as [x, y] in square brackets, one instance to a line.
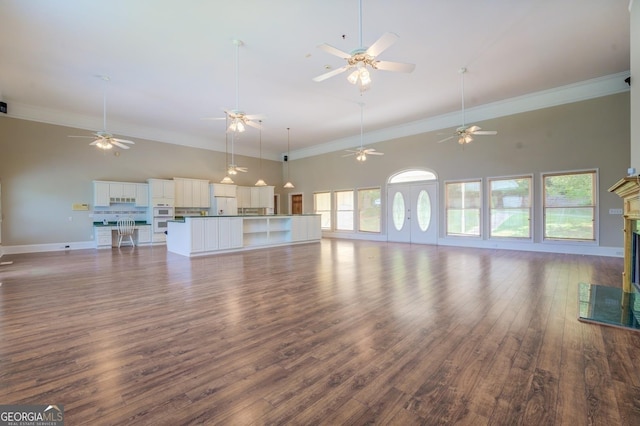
[337, 332]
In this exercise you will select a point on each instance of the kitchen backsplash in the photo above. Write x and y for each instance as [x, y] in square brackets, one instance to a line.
[117, 211]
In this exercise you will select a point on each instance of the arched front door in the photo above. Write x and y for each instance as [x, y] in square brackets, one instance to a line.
[412, 211]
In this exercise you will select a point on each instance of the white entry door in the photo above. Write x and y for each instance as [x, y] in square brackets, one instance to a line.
[412, 213]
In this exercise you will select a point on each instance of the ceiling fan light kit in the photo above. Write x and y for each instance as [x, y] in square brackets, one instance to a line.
[103, 139]
[362, 152]
[466, 133]
[361, 58]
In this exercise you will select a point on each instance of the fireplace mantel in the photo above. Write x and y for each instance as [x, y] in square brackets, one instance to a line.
[628, 189]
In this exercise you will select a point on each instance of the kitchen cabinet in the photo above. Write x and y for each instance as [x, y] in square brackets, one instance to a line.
[102, 236]
[224, 190]
[100, 194]
[162, 192]
[142, 195]
[105, 193]
[229, 232]
[197, 236]
[191, 193]
[144, 234]
[255, 196]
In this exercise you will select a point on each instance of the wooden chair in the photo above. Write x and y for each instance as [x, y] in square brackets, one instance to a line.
[125, 229]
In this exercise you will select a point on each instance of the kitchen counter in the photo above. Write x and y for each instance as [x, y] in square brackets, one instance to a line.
[112, 224]
[201, 235]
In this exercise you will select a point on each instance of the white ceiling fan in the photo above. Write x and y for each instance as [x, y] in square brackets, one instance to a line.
[103, 139]
[361, 58]
[463, 133]
[233, 168]
[362, 152]
[237, 119]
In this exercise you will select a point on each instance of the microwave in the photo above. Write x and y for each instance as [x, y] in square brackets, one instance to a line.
[163, 212]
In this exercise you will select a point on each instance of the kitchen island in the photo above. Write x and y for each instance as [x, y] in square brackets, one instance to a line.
[203, 235]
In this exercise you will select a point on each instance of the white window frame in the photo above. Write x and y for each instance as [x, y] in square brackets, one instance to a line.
[357, 209]
[330, 211]
[335, 210]
[532, 207]
[480, 209]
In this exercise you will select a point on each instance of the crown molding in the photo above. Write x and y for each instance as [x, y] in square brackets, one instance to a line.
[576, 92]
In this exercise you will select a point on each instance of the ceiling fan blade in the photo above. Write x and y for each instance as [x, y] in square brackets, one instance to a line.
[255, 117]
[84, 137]
[331, 73]
[123, 141]
[95, 142]
[486, 132]
[446, 139]
[375, 153]
[350, 154]
[118, 144]
[394, 66]
[252, 124]
[473, 129]
[334, 51]
[382, 44]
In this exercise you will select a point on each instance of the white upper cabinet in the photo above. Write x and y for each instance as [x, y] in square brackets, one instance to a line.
[224, 190]
[101, 194]
[142, 195]
[192, 193]
[255, 196]
[162, 192]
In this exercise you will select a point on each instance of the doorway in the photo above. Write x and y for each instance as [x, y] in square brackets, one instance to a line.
[412, 213]
[296, 203]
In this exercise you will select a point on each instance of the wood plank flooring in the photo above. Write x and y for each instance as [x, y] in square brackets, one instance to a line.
[336, 332]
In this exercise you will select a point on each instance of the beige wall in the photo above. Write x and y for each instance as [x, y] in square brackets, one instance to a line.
[43, 172]
[584, 135]
[635, 85]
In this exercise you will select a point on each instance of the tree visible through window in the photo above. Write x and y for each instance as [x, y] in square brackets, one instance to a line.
[510, 207]
[369, 210]
[570, 206]
[463, 205]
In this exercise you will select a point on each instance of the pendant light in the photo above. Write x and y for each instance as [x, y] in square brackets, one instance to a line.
[260, 181]
[288, 185]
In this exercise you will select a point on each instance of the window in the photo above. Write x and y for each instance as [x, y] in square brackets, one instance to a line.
[322, 206]
[569, 206]
[369, 210]
[344, 210]
[463, 205]
[510, 207]
[413, 175]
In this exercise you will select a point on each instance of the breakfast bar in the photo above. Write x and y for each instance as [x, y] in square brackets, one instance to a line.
[198, 235]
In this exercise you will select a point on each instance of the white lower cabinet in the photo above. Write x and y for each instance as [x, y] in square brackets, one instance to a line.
[102, 236]
[144, 234]
[202, 235]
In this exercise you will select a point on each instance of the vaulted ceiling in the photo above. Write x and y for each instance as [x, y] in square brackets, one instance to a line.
[171, 63]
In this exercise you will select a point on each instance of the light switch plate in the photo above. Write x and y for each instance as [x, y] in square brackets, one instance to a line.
[615, 211]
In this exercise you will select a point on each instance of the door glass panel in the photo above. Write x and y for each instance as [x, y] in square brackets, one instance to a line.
[424, 210]
[398, 211]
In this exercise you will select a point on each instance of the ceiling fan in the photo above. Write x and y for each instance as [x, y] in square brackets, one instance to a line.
[103, 139]
[236, 118]
[362, 152]
[465, 133]
[361, 58]
[233, 168]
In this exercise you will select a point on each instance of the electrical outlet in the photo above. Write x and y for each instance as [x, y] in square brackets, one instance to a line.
[615, 211]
